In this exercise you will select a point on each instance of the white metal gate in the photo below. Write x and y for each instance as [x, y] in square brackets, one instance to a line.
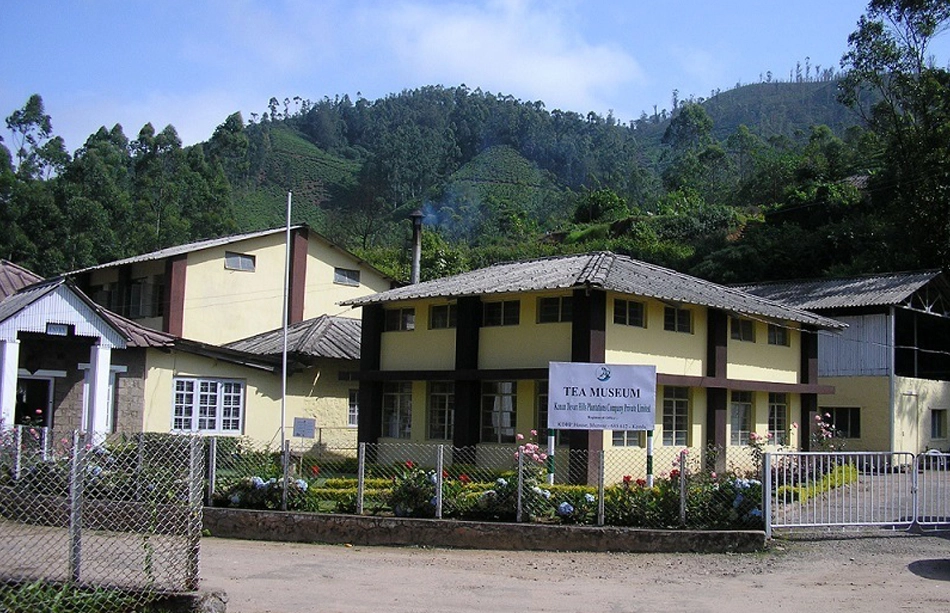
[826, 489]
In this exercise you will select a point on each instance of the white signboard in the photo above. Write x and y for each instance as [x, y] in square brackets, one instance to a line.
[305, 427]
[584, 396]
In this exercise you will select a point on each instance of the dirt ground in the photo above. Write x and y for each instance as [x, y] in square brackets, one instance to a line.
[883, 571]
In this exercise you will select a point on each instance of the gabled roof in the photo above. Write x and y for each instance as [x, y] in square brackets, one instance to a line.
[888, 289]
[13, 278]
[169, 252]
[326, 336]
[601, 270]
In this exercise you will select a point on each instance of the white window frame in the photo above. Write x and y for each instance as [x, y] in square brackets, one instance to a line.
[353, 409]
[741, 412]
[441, 403]
[676, 410]
[224, 422]
[240, 261]
[346, 276]
[397, 410]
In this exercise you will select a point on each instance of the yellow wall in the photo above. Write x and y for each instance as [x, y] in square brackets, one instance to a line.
[419, 349]
[322, 294]
[873, 396]
[226, 305]
[314, 393]
[673, 353]
[915, 399]
[527, 345]
[759, 361]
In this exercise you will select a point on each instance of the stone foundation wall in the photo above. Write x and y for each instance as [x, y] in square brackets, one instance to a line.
[391, 531]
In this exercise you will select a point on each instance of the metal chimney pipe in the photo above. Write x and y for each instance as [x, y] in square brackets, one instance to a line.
[416, 217]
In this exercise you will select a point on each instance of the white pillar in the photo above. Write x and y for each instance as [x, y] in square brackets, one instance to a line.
[9, 365]
[96, 418]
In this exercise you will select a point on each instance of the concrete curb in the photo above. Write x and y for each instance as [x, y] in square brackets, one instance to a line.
[392, 531]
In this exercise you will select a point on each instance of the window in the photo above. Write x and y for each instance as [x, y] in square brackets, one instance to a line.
[541, 413]
[846, 421]
[499, 405]
[627, 438]
[507, 313]
[397, 409]
[630, 313]
[741, 418]
[552, 310]
[146, 298]
[677, 320]
[778, 418]
[441, 410]
[400, 319]
[239, 261]
[443, 316]
[675, 416]
[743, 329]
[346, 276]
[353, 409]
[938, 423]
[778, 335]
[347, 375]
[208, 405]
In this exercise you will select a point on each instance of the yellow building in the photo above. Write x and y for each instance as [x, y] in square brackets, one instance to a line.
[891, 367]
[225, 289]
[464, 360]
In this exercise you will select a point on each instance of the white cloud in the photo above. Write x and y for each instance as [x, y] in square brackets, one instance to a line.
[524, 48]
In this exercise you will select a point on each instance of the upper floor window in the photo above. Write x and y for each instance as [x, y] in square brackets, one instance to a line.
[146, 298]
[677, 320]
[239, 261]
[630, 313]
[555, 309]
[778, 335]
[442, 316]
[742, 329]
[346, 276]
[400, 319]
[507, 313]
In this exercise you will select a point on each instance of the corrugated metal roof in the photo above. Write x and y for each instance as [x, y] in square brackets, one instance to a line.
[169, 252]
[868, 290]
[326, 336]
[601, 270]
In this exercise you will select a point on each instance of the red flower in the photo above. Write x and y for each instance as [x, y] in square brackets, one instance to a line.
[627, 479]
[445, 474]
[642, 482]
[464, 478]
[410, 464]
[674, 474]
[315, 470]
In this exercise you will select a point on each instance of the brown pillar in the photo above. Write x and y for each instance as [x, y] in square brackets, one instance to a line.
[369, 425]
[173, 321]
[809, 374]
[588, 344]
[467, 429]
[296, 296]
[717, 398]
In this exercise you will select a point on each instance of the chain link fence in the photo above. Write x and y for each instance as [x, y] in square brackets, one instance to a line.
[676, 487]
[116, 518]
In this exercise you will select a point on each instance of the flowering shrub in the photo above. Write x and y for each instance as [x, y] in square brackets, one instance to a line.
[413, 492]
[256, 493]
[578, 505]
[726, 501]
[632, 503]
[824, 437]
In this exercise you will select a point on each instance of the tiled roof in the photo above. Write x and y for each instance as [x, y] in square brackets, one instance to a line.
[869, 290]
[13, 278]
[601, 270]
[325, 336]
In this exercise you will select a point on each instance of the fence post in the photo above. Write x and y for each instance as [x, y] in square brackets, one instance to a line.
[360, 477]
[75, 508]
[601, 477]
[767, 493]
[285, 460]
[212, 466]
[520, 485]
[439, 462]
[683, 488]
[195, 478]
[17, 451]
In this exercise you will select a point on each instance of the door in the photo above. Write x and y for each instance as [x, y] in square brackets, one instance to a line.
[34, 402]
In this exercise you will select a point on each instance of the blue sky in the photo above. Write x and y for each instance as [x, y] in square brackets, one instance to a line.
[191, 63]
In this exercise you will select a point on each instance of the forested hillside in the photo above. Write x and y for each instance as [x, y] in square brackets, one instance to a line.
[822, 174]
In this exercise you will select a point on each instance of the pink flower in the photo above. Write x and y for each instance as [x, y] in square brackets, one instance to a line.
[544, 456]
[714, 475]
[794, 425]
[817, 417]
[534, 433]
[753, 436]
[519, 436]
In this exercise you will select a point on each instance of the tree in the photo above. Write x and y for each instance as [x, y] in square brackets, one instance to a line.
[889, 56]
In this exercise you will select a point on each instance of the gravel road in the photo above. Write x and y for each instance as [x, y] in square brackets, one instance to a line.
[881, 570]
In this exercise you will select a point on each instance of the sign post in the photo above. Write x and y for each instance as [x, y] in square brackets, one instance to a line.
[590, 396]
